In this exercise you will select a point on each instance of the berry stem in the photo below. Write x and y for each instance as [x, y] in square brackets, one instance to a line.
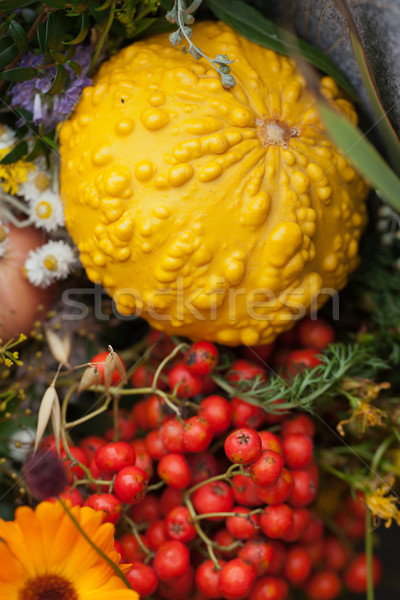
[209, 543]
[227, 475]
[165, 361]
[369, 555]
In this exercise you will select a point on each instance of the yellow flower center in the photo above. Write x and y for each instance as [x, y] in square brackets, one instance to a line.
[3, 234]
[50, 262]
[43, 210]
[48, 587]
[42, 182]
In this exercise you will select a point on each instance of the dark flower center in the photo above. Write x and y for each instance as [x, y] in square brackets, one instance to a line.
[48, 587]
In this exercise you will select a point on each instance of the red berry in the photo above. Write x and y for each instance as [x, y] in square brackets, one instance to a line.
[278, 558]
[357, 505]
[217, 411]
[316, 333]
[142, 579]
[356, 575]
[324, 585]
[171, 560]
[143, 458]
[224, 539]
[183, 382]
[171, 433]
[72, 495]
[270, 441]
[197, 434]
[130, 484]
[245, 491]
[179, 524]
[244, 370]
[154, 411]
[156, 534]
[202, 358]
[304, 489]
[143, 376]
[146, 511]
[213, 497]
[352, 526]
[242, 528]
[300, 424]
[267, 468]
[276, 520]
[126, 426]
[245, 414]
[297, 565]
[90, 444]
[114, 456]
[154, 445]
[72, 469]
[236, 579]
[315, 528]
[279, 492]
[207, 579]
[243, 446]
[174, 470]
[132, 548]
[170, 497]
[259, 553]
[298, 360]
[301, 517]
[335, 554]
[269, 588]
[99, 360]
[297, 451]
[118, 547]
[202, 465]
[179, 588]
[109, 504]
[139, 414]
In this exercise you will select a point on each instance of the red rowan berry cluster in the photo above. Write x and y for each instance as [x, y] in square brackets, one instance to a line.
[211, 494]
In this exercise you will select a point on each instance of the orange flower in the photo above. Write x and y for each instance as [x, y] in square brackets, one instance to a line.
[44, 555]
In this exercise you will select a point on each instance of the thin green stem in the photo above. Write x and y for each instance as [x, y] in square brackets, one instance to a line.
[203, 536]
[89, 416]
[103, 37]
[227, 475]
[369, 555]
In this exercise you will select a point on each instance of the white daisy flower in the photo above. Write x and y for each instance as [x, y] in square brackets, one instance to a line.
[37, 182]
[7, 137]
[49, 263]
[21, 444]
[47, 211]
[4, 231]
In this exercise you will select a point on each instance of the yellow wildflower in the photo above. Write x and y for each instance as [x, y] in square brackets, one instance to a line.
[363, 416]
[14, 174]
[383, 504]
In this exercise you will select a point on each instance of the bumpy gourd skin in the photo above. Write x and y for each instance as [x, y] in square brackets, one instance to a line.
[214, 214]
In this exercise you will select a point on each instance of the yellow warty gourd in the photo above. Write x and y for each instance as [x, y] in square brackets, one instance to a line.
[213, 214]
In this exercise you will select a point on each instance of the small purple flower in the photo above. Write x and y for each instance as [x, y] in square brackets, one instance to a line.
[30, 94]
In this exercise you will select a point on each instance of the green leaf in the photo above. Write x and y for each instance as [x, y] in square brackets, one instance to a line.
[15, 154]
[54, 32]
[56, 3]
[18, 74]
[41, 36]
[392, 142]
[76, 67]
[143, 25]
[83, 31]
[8, 51]
[12, 5]
[99, 551]
[24, 114]
[35, 152]
[4, 25]
[59, 81]
[255, 27]
[364, 156]
[19, 36]
[60, 58]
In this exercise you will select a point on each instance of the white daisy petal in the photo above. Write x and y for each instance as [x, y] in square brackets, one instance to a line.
[47, 211]
[38, 181]
[49, 263]
[7, 137]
